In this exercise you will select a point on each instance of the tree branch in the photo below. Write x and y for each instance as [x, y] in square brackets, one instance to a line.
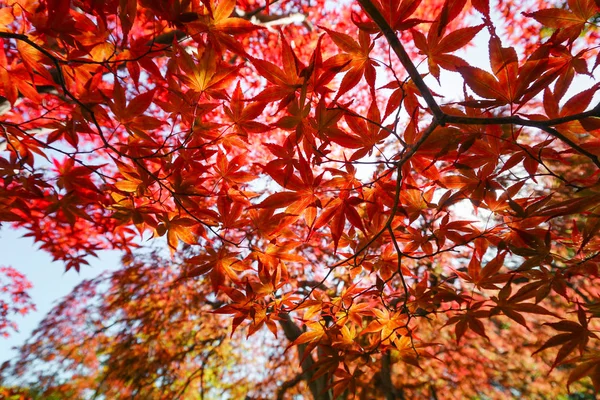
[288, 385]
[292, 332]
[385, 374]
[545, 125]
[404, 58]
[443, 118]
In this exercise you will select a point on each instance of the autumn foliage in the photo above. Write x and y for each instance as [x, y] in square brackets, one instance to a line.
[350, 201]
[13, 298]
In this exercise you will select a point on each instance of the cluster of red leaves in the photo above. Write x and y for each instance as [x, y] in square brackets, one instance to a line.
[316, 199]
[13, 298]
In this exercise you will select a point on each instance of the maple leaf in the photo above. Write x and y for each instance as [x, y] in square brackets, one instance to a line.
[450, 11]
[404, 93]
[471, 319]
[390, 325]
[343, 383]
[135, 108]
[285, 82]
[409, 350]
[513, 306]
[219, 264]
[487, 276]
[74, 178]
[220, 24]
[267, 223]
[229, 170]
[178, 228]
[355, 60]
[336, 212]
[436, 48]
[485, 85]
[135, 180]
[569, 23]
[244, 117]
[365, 135]
[6, 18]
[576, 336]
[54, 17]
[208, 76]
[355, 313]
[303, 200]
[588, 365]
[126, 210]
[314, 333]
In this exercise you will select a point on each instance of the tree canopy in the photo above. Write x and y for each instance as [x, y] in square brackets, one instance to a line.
[316, 198]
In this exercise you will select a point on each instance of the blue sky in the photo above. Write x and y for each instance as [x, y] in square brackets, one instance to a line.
[49, 280]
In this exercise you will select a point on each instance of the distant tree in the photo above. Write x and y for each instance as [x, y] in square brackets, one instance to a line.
[14, 299]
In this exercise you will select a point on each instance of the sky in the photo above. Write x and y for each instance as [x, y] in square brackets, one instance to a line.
[50, 282]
